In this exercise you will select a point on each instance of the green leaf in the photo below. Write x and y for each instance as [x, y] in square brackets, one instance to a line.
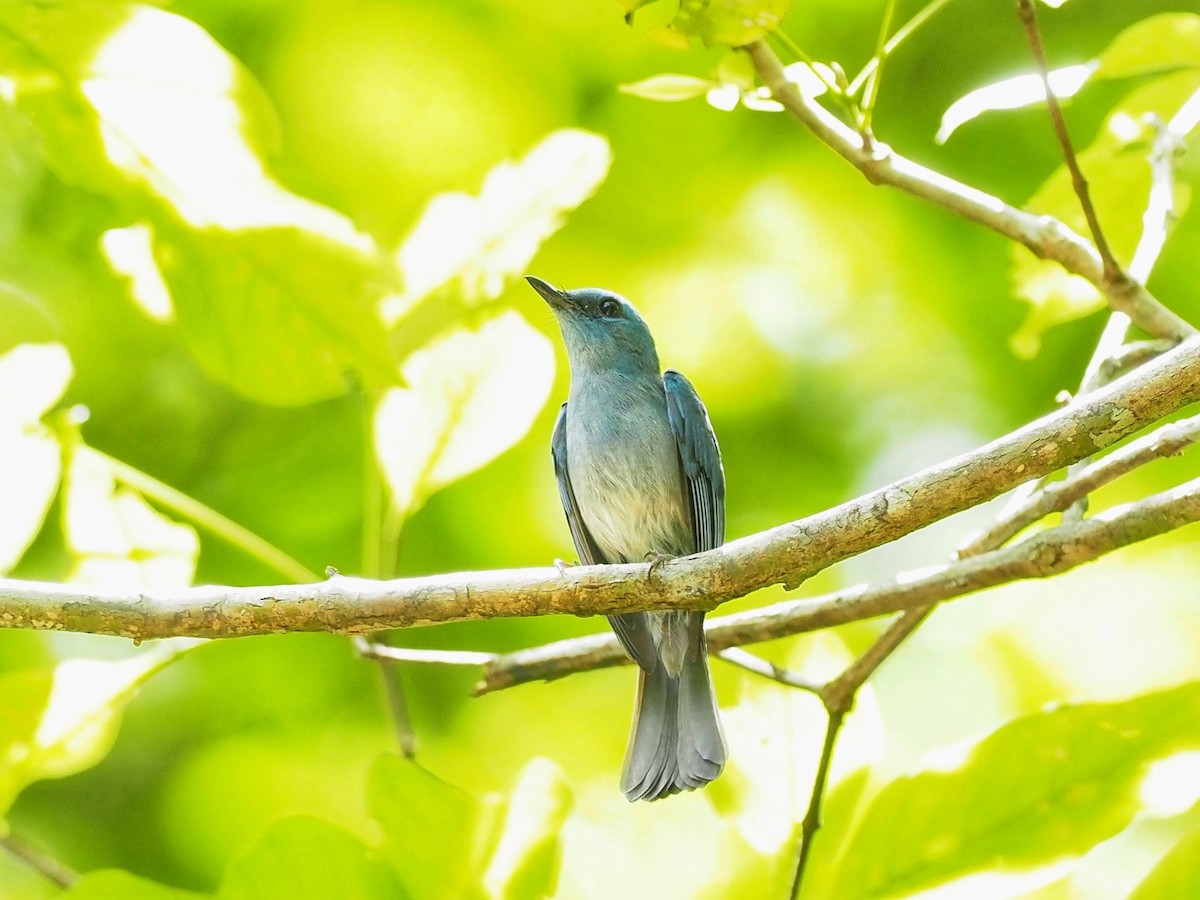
[282, 316]
[478, 244]
[444, 842]
[1042, 788]
[1158, 44]
[729, 23]
[1118, 172]
[116, 538]
[669, 88]
[61, 720]
[33, 378]
[470, 396]
[432, 830]
[115, 884]
[1176, 875]
[306, 857]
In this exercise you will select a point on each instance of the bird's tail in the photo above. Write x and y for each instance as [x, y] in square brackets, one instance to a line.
[676, 742]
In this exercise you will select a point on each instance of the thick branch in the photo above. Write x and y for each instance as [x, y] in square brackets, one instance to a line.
[786, 554]
[1045, 236]
[1049, 553]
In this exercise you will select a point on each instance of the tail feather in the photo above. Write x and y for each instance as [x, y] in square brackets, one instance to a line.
[676, 742]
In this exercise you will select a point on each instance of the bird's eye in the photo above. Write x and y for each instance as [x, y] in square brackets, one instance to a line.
[610, 309]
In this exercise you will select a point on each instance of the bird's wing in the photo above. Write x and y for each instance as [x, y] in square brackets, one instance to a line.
[589, 554]
[633, 630]
[701, 460]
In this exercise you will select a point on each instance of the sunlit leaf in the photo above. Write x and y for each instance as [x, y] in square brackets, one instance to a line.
[33, 378]
[114, 884]
[61, 720]
[526, 860]
[1041, 789]
[307, 858]
[445, 842]
[1013, 93]
[281, 316]
[116, 537]
[477, 244]
[125, 95]
[130, 252]
[1117, 167]
[1176, 875]
[729, 23]
[470, 396]
[669, 88]
[1159, 43]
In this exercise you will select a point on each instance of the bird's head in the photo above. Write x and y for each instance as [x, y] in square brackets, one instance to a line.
[601, 329]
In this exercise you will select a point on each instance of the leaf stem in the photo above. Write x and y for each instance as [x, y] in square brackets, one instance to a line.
[210, 520]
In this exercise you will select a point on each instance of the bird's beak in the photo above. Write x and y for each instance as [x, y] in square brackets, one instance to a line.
[558, 300]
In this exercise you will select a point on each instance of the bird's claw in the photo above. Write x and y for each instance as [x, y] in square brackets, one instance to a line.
[656, 560]
[562, 567]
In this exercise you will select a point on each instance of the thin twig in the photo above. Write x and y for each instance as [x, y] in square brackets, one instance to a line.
[811, 822]
[1045, 236]
[376, 650]
[1112, 269]
[393, 689]
[744, 660]
[1057, 496]
[902, 33]
[208, 518]
[40, 861]
[839, 696]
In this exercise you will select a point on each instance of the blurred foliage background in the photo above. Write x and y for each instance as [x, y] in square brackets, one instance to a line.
[191, 319]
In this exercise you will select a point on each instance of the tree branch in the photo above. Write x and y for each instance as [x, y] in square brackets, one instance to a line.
[1057, 496]
[1041, 556]
[40, 861]
[786, 554]
[1045, 236]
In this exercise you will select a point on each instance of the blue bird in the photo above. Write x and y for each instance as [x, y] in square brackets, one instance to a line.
[640, 477]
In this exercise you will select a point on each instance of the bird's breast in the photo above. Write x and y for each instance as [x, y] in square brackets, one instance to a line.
[624, 469]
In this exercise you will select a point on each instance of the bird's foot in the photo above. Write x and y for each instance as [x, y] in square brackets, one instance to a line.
[656, 560]
[562, 566]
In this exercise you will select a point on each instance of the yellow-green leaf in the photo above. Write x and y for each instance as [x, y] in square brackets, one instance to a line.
[116, 537]
[478, 244]
[469, 397]
[58, 721]
[669, 88]
[33, 377]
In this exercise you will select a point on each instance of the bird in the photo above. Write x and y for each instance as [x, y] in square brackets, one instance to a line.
[640, 478]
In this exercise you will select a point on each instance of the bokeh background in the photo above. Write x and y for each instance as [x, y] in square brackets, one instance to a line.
[841, 335]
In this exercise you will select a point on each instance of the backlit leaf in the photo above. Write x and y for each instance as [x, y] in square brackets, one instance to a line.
[669, 88]
[729, 23]
[470, 396]
[478, 244]
[1039, 790]
[116, 537]
[61, 720]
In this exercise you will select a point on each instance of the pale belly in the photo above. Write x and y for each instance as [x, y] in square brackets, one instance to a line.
[630, 492]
